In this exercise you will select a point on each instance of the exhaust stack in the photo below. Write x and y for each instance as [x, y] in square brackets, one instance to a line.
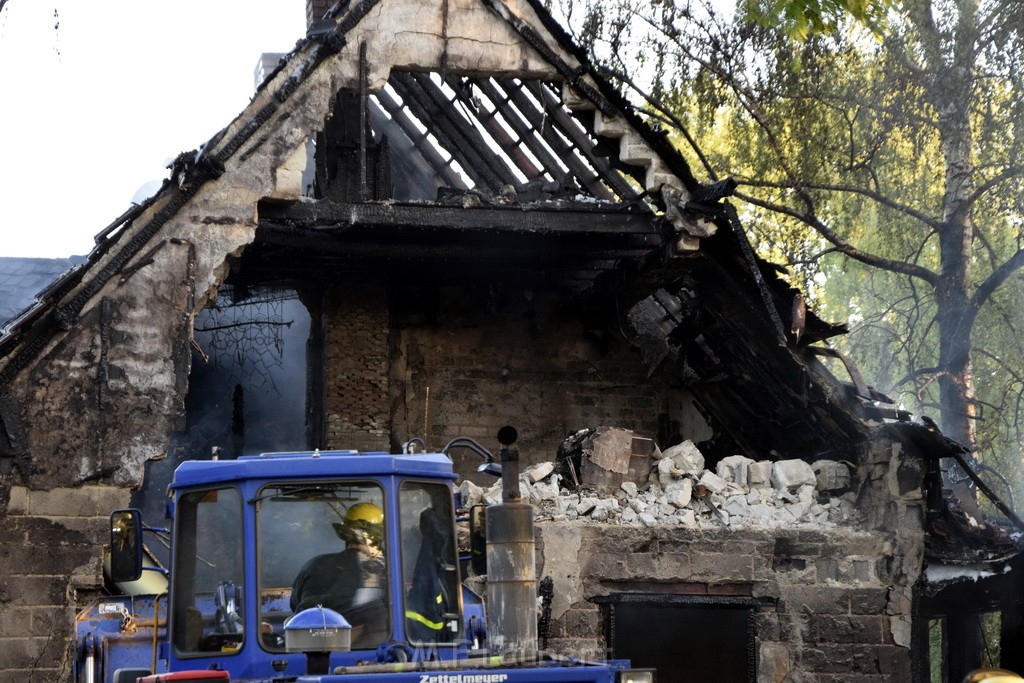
[511, 563]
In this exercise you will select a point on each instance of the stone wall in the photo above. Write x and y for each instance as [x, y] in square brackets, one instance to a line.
[829, 604]
[50, 567]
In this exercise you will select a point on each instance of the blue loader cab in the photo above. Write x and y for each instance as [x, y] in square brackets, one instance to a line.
[307, 566]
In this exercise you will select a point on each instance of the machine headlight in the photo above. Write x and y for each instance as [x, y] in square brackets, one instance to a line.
[637, 676]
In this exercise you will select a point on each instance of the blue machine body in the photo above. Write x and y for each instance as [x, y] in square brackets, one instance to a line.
[131, 633]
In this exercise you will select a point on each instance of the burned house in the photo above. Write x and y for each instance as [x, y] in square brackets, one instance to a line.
[432, 220]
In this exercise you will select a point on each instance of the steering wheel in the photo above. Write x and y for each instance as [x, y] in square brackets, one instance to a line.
[218, 642]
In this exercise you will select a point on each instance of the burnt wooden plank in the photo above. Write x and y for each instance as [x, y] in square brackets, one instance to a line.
[421, 141]
[461, 88]
[574, 130]
[334, 216]
[588, 176]
[620, 247]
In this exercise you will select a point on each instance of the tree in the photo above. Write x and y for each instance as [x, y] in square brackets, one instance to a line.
[892, 157]
[802, 18]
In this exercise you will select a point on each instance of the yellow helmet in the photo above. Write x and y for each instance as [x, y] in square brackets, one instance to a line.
[364, 512]
[992, 676]
[364, 523]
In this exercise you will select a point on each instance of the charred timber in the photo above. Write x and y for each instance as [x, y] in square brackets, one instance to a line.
[537, 251]
[335, 217]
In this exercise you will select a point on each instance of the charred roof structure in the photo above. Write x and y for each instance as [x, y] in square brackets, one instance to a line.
[434, 219]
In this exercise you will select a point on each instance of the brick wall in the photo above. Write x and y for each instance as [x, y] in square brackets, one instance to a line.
[524, 361]
[49, 569]
[357, 349]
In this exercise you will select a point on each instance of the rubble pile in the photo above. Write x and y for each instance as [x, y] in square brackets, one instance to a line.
[680, 491]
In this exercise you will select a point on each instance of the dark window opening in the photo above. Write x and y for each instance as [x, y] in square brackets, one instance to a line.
[686, 638]
[959, 643]
[247, 390]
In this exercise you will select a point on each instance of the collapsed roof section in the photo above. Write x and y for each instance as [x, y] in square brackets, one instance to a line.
[494, 135]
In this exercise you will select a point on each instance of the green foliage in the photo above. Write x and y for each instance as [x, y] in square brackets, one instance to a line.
[799, 19]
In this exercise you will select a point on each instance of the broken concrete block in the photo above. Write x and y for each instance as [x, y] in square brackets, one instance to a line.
[784, 515]
[528, 492]
[732, 489]
[668, 472]
[470, 493]
[787, 475]
[712, 482]
[630, 488]
[786, 498]
[798, 510]
[687, 518]
[647, 519]
[737, 506]
[759, 474]
[734, 469]
[681, 495]
[586, 505]
[547, 491]
[806, 494]
[601, 513]
[678, 484]
[831, 475]
[754, 497]
[686, 457]
[539, 472]
[492, 495]
[628, 516]
[638, 504]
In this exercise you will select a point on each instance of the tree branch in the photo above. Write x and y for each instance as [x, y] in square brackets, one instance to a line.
[870, 194]
[998, 277]
[1008, 172]
[843, 246]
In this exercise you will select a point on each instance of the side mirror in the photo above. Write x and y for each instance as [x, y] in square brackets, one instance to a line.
[478, 538]
[125, 545]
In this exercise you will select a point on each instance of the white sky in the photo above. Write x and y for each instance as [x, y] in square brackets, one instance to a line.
[95, 108]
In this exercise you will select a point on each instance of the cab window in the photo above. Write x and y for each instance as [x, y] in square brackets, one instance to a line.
[209, 611]
[433, 601]
[323, 544]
